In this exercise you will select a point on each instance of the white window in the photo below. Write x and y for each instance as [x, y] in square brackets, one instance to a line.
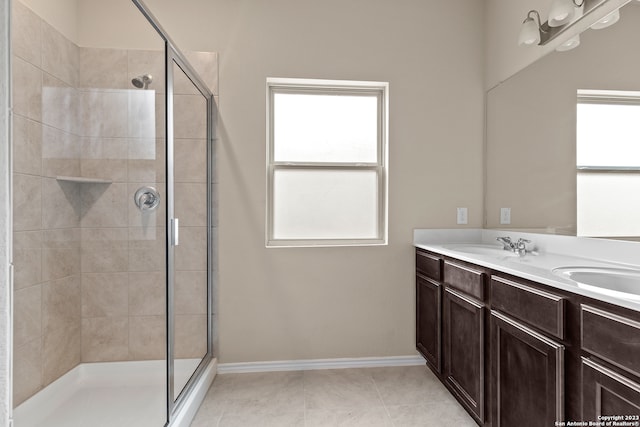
[326, 162]
[608, 163]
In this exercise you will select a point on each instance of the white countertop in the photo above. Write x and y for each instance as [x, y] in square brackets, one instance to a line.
[553, 251]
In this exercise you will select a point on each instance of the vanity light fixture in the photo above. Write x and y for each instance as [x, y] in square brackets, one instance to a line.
[563, 11]
[572, 43]
[564, 15]
[531, 29]
[607, 21]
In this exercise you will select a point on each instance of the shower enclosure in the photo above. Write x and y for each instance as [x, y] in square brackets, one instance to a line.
[114, 217]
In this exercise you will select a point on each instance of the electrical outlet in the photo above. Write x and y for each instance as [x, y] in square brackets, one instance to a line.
[505, 215]
[462, 217]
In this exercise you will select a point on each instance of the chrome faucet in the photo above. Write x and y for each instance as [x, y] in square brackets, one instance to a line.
[518, 247]
[521, 247]
[506, 243]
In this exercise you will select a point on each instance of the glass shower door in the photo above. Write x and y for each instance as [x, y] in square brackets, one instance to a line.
[190, 286]
[188, 223]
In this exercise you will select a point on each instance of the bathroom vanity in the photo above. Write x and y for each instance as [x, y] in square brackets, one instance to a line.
[521, 340]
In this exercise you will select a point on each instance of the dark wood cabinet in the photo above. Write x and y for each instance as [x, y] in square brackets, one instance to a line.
[463, 350]
[608, 393]
[527, 372]
[515, 352]
[428, 319]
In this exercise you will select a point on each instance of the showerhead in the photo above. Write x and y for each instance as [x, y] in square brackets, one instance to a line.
[142, 82]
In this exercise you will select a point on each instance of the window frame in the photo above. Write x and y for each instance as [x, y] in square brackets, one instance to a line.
[329, 87]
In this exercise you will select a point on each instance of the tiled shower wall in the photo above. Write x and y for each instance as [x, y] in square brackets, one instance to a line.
[47, 235]
[89, 266]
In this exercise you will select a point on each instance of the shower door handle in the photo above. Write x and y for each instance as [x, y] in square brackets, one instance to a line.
[175, 231]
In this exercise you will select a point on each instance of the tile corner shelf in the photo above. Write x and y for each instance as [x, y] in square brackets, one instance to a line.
[83, 180]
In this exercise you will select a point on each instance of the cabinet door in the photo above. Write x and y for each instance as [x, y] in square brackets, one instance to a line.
[527, 372]
[605, 392]
[428, 322]
[463, 350]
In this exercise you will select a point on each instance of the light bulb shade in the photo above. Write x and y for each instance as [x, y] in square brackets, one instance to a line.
[561, 12]
[572, 43]
[529, 33]
[607, 21]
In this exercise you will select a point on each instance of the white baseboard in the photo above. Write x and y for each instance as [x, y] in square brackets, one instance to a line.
[316, 364]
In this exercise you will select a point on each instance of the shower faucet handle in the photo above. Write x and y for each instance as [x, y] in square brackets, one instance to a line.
[147, 199]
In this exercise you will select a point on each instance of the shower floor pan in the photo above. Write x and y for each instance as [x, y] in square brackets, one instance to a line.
[111, 394]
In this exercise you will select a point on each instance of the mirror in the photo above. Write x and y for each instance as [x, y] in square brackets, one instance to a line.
[531, 127]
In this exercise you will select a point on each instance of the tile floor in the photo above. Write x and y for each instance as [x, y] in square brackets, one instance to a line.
[409, 396]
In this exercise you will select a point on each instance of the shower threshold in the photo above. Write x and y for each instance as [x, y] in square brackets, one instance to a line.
[111, 394]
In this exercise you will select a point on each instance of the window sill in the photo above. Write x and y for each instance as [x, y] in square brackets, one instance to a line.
[324, 243]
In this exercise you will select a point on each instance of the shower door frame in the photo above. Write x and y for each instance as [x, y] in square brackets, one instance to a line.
[174, 55]
[6, 222]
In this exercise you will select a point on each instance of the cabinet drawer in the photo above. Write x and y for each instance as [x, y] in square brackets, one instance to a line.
[429, 265]
[611, 337]
[539, 309]
[464, 279]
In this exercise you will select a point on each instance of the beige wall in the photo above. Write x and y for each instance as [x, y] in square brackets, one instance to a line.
[279, 304]
[60, 14]
[114, 24]
[93, 22]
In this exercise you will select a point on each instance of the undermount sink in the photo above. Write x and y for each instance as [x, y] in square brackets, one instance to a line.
[479, 249]
[617, 282]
